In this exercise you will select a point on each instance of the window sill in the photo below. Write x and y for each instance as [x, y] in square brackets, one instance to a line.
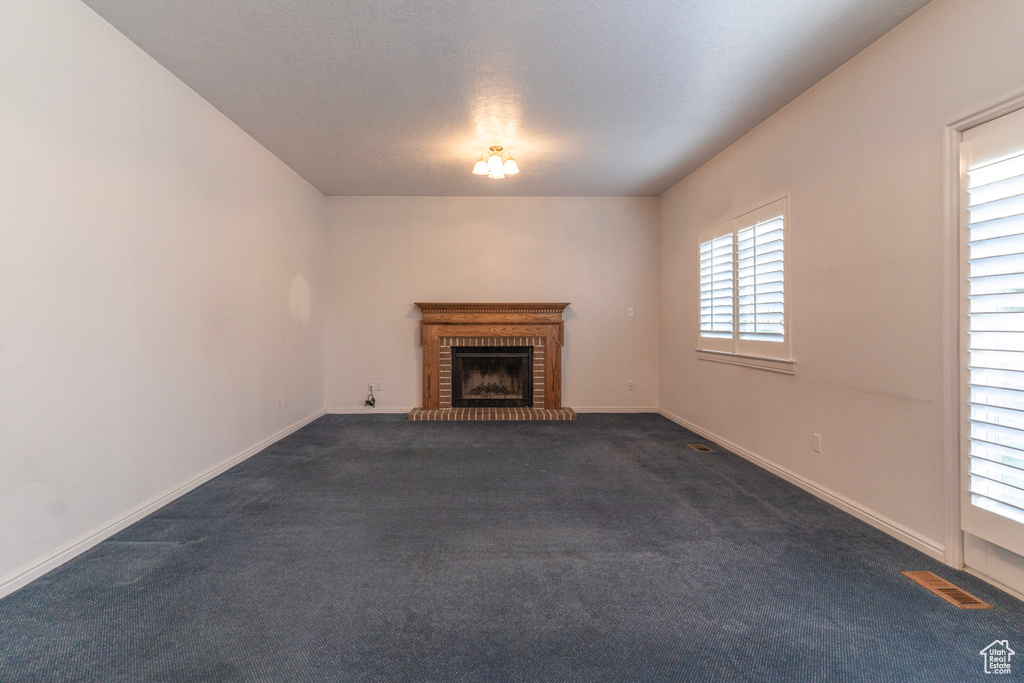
[778, 366]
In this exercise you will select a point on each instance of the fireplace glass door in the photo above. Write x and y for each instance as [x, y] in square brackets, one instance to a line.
[492, 376]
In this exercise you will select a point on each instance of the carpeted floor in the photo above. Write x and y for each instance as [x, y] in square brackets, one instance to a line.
[371, 548]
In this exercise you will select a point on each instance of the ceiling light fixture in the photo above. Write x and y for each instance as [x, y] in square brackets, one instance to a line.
[496, 164]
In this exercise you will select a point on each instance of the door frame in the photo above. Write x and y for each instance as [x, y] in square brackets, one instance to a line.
[953, 381]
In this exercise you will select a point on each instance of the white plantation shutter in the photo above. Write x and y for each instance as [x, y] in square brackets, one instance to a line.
[761, 286]
[994, 187]
[742, 285]
[996, 331]
[716, 287]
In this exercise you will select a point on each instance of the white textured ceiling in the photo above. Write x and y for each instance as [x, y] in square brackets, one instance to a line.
[592, 97]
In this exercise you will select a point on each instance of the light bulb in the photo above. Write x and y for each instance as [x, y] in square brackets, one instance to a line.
[494, 166]
[481, 167]
[511, 167]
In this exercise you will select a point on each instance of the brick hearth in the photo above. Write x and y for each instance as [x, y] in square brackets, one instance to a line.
[450, 414]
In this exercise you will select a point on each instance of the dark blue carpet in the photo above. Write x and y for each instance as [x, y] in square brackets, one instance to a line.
[374, 549]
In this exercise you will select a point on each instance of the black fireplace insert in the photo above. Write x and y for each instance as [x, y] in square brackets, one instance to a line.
[492, 376]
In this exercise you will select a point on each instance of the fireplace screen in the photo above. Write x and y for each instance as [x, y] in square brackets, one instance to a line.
[492, 376]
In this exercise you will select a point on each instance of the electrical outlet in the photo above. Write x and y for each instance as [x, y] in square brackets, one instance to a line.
[817, 442]
[279, 405]
[629, 311]
[631, 385]
[379, 387]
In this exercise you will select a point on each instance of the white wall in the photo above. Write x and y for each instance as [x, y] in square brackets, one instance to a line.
[861, 157]
[384, 253]
[161, 283]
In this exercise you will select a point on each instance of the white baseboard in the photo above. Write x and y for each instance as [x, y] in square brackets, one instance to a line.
[894, 529]
[367, 410]
[616, 409]
[32, 571]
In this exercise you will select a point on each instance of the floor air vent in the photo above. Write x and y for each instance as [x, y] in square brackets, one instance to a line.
[947, 591]
[700, 447]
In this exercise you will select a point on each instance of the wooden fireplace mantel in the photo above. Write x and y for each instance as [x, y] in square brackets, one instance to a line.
[492, 322]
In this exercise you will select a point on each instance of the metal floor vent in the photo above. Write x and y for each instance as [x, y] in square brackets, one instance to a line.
[947, 591]
[700, 447]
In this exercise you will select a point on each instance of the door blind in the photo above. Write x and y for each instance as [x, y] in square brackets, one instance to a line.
[761, 295]
[996, 333]
[716, 283]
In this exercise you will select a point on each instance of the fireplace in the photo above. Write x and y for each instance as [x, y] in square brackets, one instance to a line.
[491, 376]
[492, 362]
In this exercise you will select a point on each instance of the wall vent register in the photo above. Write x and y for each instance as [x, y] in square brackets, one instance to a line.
[946, 590]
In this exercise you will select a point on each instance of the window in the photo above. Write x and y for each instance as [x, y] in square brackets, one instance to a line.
[992, 156]
[716, 287]
[742, 289]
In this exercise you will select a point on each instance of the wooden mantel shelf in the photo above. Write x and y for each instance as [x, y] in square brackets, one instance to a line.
[491, 308]
[491, 321]
[498, 313]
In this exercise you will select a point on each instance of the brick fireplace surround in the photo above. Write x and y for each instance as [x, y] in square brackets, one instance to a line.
[447, 325]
